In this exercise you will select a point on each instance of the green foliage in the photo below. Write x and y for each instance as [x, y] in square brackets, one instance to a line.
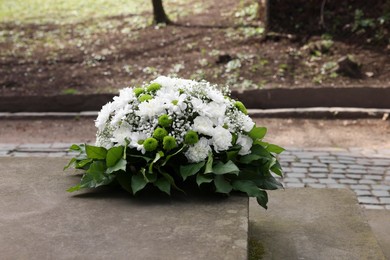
[251, 174]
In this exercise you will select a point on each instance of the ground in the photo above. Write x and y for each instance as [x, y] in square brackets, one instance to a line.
[220, 41]
[363, 133]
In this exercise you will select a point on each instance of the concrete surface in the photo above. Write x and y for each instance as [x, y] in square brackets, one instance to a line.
[312, 224]
[39, 220]
[379, 221]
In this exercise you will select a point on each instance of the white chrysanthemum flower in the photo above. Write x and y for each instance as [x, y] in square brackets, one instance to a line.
[173, 82]
[125, 96]
[203, 125]
[150, 108]
[222, 139]
[103, 116]
[199, 151]
[246, 144]
[216, 96]
[135, 138]
[121, 114]
[120, 134]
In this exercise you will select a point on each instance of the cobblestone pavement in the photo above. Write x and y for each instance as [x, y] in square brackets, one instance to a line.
[365, 171]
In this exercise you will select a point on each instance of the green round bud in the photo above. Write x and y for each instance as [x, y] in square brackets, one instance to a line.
[144, 97]
[191, 137]
[138, 91]
[240, 106]
[169, 142]
[153, 87]
[160, 133]
[164, 121]
[150, 144]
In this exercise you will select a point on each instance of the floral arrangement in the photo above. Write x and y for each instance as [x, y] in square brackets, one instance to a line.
[174, 131]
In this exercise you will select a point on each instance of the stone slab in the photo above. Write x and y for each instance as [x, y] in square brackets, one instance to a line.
[379, 221]
[312, 224]
[40, 220]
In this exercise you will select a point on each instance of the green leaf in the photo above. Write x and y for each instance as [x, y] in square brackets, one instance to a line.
[171, 155]
[200, 178]
[164, 185]
[228, 167]
[268, 183]
[119, 166]
[247, 186]
[209, 164]
[74, 188]
[114, 155]
[262, 199]
[96, 152]
[250, 158]
[158, 156]
[273, 148]
[124, 179]
[221, 185]
[71, 162]
[277, 169]
[257, 132]
[190, 169]
[75, 147]
[138, 182]
[82, 163]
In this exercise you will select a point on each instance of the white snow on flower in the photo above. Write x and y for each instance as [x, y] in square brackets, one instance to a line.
[103, 116]
[222, 139]
[150, 108]
[203, 125]
[246, 144]
[199, 151]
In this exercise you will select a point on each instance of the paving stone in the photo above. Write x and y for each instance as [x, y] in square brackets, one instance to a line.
[368, 200]
[356, 171]
[319, 165]
[375, 170]
[381, 162]
[363, 192]
[316, 185]
[318, 175]
[299, 164]
[373, 206]
[310, 180]
[373, 177]
[381, 193]
[57, 154]
[338, 171]
[7, 147]
[314, 170]
[338, 166]
[4, 153]
[295, 175]
[360, 187]
[346, 158]
[348, 181]
[34, 146]
[356, 166]
[291, 180]
[295, 185]
[346, 162]
[309, 161]
[336, 186]
[381, 187]
[354, 176]
[367, 182]
[327, 181]
[384, 200]
[327, 161]
[299, 170]
[61, 145]
[337, 176]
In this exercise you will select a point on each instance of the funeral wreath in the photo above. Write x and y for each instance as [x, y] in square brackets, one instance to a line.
[175, 129]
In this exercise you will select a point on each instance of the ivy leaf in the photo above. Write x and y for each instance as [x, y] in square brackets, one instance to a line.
[71, 162]
[273, 148]
[138, 182]
[200, 179]
[119, 166]
[251, 189]
[228, 167]
[95, 152]
[257, 132]
[114, 155]
[124, 179]
[262, 199]
[164, 185]
[221, 185]
[158, 156]
[209, 164]
[190, 169]
[82, 163]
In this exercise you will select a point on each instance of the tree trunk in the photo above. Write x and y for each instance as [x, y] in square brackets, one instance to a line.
[159, 14]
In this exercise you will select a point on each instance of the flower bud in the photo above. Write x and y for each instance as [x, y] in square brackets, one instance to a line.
[150, 144]
[165, 121]
[169, 142]
[153, 87]
[191, 137]
[160, 133]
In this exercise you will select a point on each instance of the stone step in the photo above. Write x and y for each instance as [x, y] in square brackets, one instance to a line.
[311, 224]
[40, 220]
